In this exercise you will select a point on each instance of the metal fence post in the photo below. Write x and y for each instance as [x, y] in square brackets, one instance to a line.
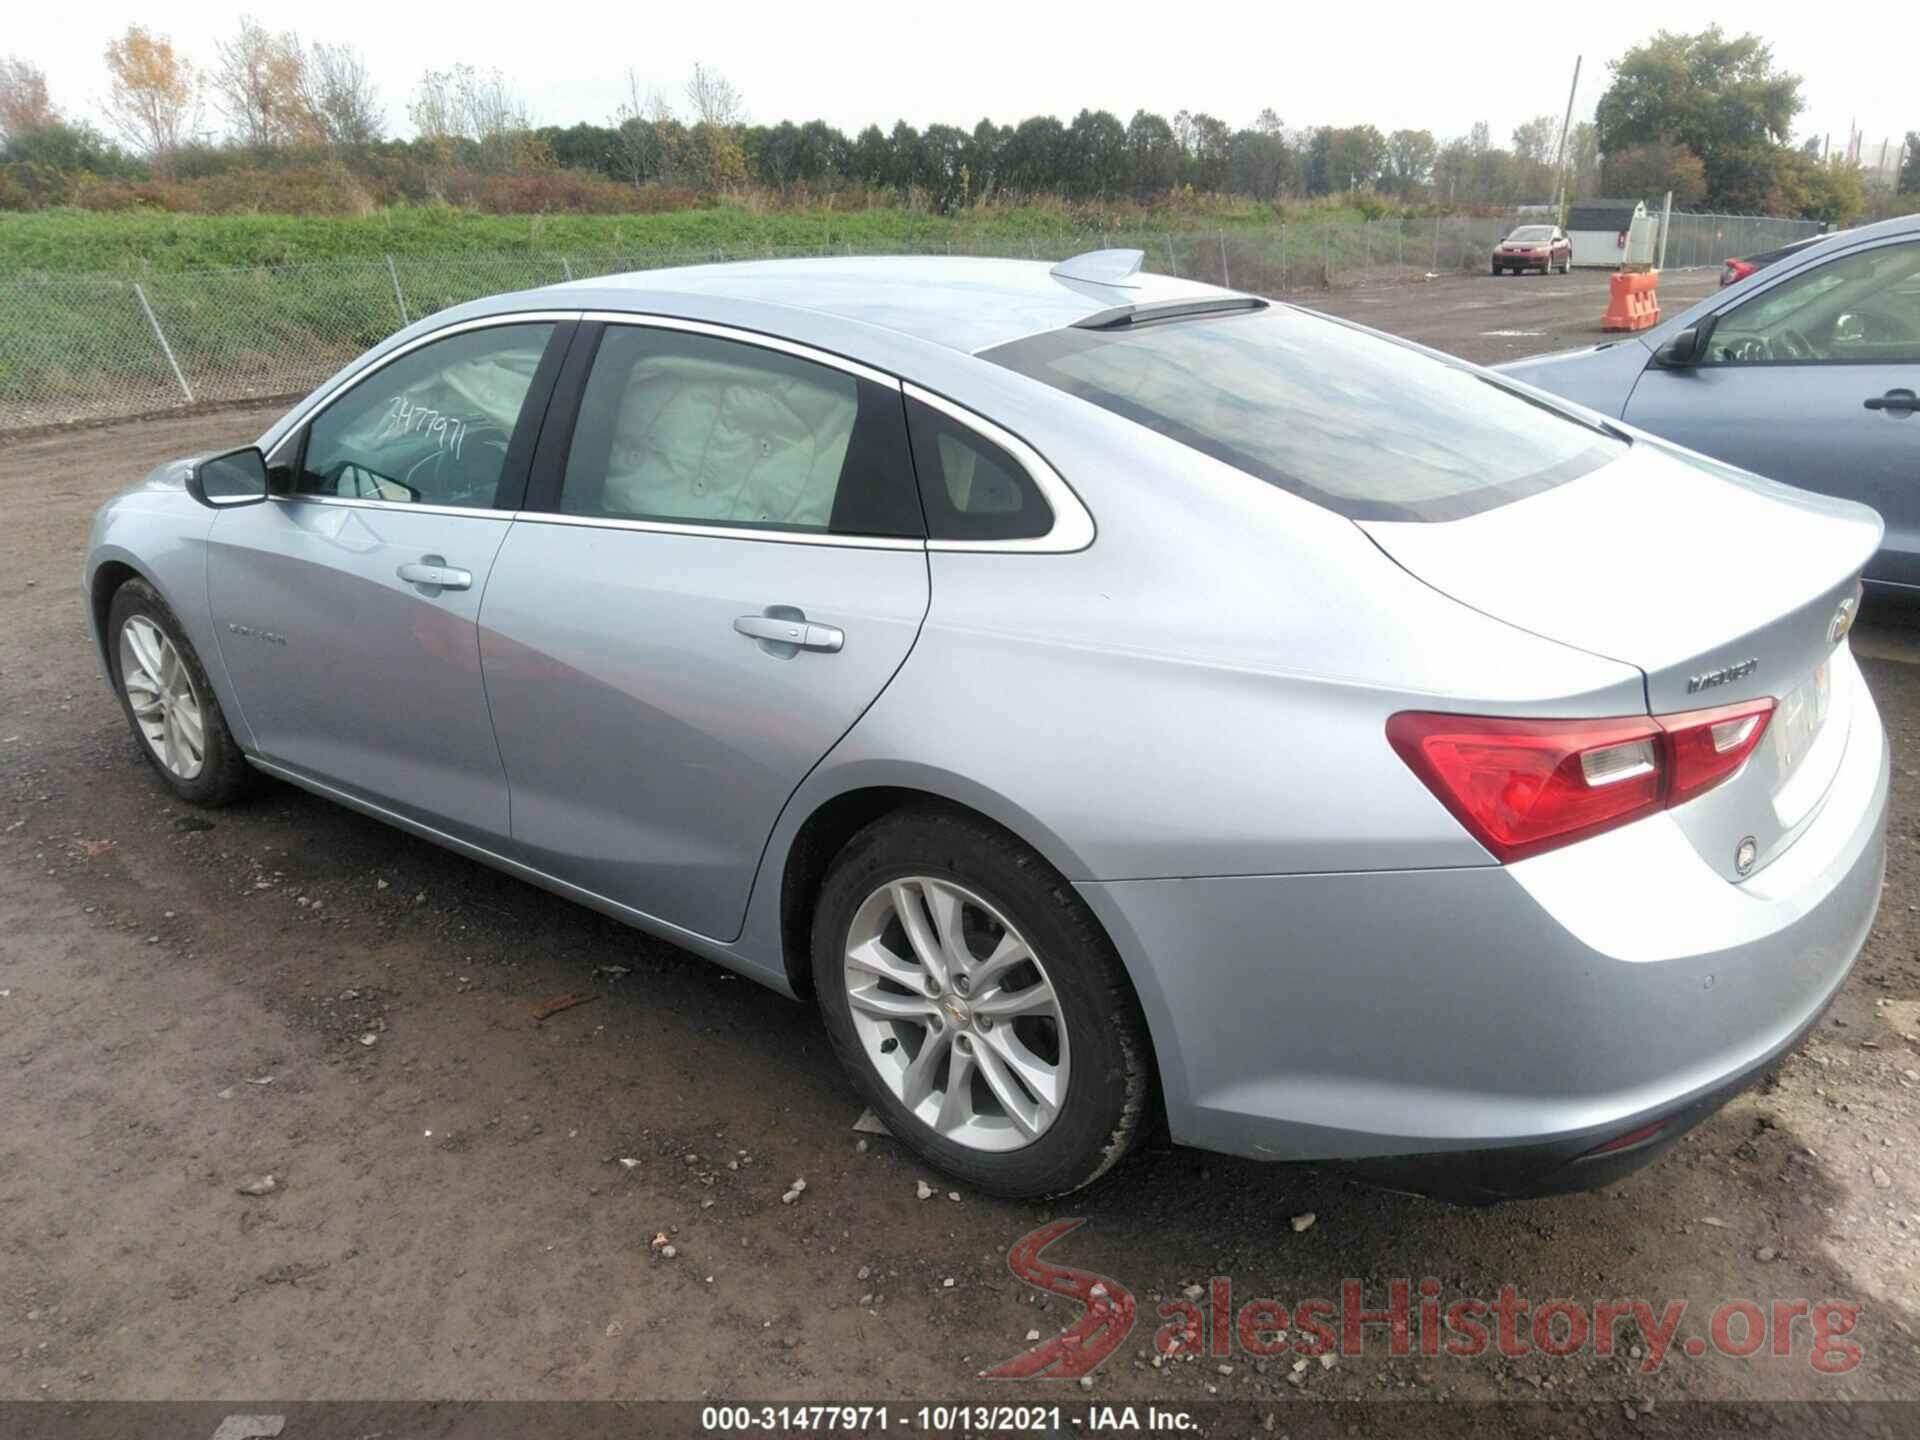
[400, 300]
[1226, 279]
[1173, 265]
[1435, 267]
[1284, 278]
[1326, 256]
[161, 336]
[565, 268]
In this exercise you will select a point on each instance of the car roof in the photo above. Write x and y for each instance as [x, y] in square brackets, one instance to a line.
[964, 303]
[1793, 246]
[921, 317]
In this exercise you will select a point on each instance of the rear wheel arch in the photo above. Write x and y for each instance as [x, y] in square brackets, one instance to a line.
[836, 820]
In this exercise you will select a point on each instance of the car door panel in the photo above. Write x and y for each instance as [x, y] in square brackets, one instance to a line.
[346, 608]
[352, 674]
[649, 745]
[1807, 426]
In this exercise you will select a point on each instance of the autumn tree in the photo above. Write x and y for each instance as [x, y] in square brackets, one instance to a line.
[714, 100]
[154, 99]
[713, 141]
[1410, 157]
[483, 110]
[261, 86]
[24, 105]
[1804, 184]
[341, 96]
[645, 133]
[1647, 172]
[1537, 139]
[1355, 157]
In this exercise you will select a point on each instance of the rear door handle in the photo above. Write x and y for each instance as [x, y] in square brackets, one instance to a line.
[1899, 402]
[434, 570]
[800, 633]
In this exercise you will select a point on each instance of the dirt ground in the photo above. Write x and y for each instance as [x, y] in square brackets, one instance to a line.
[464, 1196]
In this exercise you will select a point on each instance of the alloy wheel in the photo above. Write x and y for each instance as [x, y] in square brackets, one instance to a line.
[956, 1013]
[165, 704]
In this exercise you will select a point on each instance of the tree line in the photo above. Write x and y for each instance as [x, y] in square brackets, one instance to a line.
[1707, 116]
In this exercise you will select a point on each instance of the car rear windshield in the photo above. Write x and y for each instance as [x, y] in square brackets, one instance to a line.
[1368, 427]
[1532, 232]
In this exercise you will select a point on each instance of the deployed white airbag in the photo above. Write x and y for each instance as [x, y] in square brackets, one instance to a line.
[705, 439]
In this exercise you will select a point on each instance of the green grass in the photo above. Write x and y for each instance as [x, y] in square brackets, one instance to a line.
[68, 242]
[269, 305]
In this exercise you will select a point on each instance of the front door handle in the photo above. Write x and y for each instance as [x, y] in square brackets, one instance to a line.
[1897, 402]
[433, 570]
[798, 633]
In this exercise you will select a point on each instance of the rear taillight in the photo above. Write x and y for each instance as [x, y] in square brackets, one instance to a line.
[1704, 747]
[1524, 786]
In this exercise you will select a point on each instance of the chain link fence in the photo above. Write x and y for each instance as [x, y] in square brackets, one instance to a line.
[103, 346]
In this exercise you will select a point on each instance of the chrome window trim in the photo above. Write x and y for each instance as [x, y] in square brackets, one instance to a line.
[744, 337]
[1073, 527]
[407, 507]
[771, 535]
[296, 420]
[768, 536]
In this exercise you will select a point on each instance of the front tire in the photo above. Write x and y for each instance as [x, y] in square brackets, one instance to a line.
[977, 1005]
[168, 701]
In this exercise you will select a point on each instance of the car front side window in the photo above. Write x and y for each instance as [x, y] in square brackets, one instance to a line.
[1858, 308]
[432, 427]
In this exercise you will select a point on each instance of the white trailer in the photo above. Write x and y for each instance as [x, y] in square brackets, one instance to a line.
[1600, 231]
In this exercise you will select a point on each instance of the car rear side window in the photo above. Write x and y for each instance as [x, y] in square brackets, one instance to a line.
[694, 429]
[1367, 427]
[972, 489]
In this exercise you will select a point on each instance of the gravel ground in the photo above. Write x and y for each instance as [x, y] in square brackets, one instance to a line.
[467, 1200]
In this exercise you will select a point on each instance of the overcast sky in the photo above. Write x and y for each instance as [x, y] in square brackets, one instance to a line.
[1440, 65]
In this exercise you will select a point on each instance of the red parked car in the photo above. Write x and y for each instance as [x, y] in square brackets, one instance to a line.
[1738, 268]
[1534, 247]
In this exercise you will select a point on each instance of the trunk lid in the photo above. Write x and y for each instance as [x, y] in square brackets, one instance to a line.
[1717, 585]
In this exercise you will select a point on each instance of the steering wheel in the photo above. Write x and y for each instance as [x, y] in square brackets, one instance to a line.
[426, 473]
[1795, 345]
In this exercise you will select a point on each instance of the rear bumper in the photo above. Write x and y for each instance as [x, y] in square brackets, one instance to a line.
[1488, 1025]
[1561, 1167]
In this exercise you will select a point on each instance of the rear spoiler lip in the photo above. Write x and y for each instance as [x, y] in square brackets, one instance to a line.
[1121, 316]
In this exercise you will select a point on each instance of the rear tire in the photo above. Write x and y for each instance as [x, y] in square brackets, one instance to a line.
[1059, 1032]
[177, 725]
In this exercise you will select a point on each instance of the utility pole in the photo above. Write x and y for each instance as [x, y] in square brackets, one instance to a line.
[1560, 160]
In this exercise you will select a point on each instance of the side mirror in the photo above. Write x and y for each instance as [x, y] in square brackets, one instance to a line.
[237, 478]
[1686, 349]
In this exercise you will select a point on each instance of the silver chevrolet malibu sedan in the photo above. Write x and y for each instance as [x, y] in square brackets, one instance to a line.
[1117, 703]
